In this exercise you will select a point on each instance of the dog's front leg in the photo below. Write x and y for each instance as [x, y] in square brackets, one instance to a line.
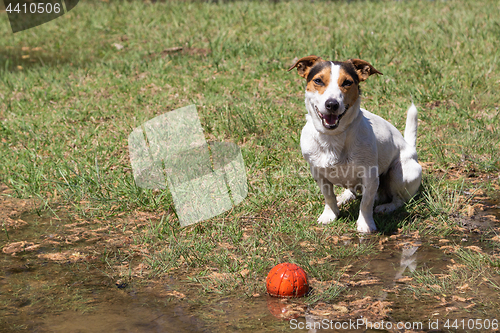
[331, 210]
[365, 222]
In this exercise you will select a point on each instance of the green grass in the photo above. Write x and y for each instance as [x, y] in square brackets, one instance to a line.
[68, 109]
[239, 255]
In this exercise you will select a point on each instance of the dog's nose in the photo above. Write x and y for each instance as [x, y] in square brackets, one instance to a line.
[331, 105]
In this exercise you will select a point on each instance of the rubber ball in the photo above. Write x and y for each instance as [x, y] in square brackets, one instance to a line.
[287, 280]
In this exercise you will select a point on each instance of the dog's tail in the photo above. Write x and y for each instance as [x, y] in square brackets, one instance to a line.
[411, 125]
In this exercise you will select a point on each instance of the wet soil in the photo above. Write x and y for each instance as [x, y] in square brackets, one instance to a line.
[66, 274]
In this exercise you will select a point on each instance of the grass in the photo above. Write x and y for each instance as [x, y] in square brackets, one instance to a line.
[71, 98]
[239, 255]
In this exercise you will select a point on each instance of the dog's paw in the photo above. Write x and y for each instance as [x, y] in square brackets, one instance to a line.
[327, 217]
[385, 208]
[345, 197]
[366, 226]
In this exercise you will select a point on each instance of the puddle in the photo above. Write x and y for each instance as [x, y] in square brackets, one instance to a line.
[385, 302]
[80, 276]
[57, 276]
[42, 295]
[100, 310]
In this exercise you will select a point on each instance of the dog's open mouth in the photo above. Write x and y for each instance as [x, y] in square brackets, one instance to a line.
[331, 121]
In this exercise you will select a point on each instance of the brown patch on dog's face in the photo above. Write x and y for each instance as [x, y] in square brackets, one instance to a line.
[319, 77]
[348, 84]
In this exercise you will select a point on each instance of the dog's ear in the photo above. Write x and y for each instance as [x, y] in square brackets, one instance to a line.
[363, 69]
[305, 64]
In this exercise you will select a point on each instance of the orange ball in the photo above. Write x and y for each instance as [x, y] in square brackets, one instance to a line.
[287, 280]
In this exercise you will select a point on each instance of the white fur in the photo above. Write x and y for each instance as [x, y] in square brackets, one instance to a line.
[363, 150]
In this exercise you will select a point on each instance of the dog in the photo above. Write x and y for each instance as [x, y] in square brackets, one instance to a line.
[350, 147]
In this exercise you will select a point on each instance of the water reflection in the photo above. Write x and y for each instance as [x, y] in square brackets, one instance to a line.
[408, 261]
[389, 267]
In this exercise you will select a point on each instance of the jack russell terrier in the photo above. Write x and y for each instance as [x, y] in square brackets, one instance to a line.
[350, 147]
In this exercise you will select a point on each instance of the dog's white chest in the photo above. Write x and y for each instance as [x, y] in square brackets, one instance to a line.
[326, 158]
[332, 160]
[321, 153]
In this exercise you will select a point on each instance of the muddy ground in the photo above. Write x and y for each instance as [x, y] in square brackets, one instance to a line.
[67, 274]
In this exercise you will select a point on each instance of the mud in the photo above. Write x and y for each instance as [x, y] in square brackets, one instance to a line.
[71, 275]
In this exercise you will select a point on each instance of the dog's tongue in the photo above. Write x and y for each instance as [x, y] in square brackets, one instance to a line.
[331, 119]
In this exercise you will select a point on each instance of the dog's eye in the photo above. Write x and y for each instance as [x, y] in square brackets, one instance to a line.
[347, 83]
[318, 82]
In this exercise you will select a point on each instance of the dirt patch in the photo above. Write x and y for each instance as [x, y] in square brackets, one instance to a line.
[181, 50]
[11, 208]
[97, 267]
[192, 51]
[13, 248]
[66, 239]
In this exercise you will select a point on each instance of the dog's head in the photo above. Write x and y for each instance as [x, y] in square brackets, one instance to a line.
[332, 90]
